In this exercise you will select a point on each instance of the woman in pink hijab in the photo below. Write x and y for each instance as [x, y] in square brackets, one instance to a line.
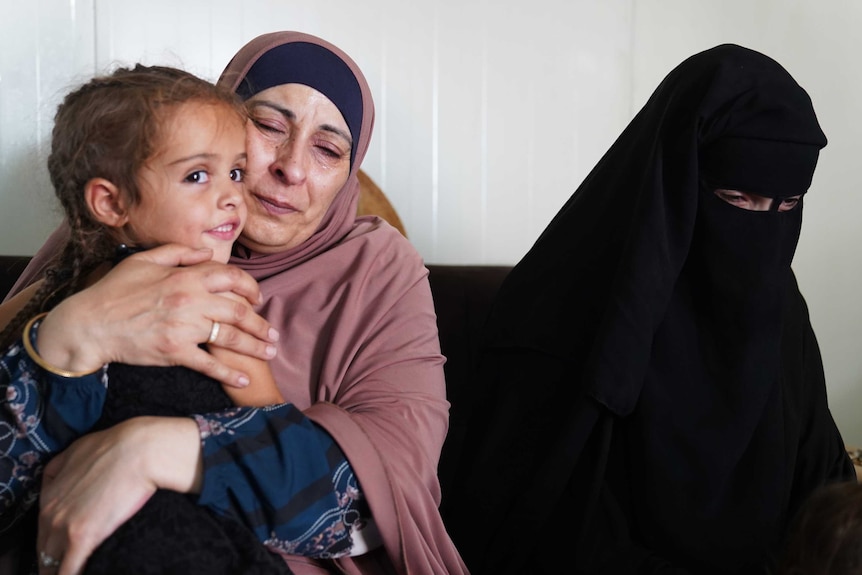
[358, 357]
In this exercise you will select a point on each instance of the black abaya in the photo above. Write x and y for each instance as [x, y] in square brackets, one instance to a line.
[654, 397]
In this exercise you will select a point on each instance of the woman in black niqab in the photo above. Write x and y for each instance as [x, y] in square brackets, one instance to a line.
[654, 397]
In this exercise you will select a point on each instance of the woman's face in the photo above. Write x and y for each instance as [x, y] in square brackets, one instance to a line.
[298, 159]
[755, 202]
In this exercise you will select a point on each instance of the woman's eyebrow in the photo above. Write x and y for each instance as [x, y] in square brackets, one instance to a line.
[289, 115]
[339, 132]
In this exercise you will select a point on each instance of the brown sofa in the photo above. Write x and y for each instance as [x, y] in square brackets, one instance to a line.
[10, 268]
[462, 296]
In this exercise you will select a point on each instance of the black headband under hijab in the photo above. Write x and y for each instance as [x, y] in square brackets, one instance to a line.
[313, 66]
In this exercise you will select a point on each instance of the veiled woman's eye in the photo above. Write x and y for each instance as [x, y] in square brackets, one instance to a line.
[788, 204]
[749, 201]
[732, 197]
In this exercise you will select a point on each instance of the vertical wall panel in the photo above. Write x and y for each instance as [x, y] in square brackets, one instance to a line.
[460, 63]
[159, 32]
[558, 85]
[46, 47]
[513, 100]
[408, 127]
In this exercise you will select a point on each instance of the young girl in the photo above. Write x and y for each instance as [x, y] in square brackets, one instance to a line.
[139, 158]
[826, 535]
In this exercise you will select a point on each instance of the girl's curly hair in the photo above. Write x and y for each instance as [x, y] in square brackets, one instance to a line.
[826, 536]
[108, 128]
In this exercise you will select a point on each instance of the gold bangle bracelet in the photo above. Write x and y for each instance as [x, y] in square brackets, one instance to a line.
[37, 359]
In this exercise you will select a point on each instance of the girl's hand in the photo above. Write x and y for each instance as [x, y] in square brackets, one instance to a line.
[154, 308]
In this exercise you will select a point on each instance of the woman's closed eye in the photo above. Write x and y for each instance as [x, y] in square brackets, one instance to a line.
[330, 150]
[268, 127]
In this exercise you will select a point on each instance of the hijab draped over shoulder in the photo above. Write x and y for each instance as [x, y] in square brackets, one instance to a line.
[353, 305]
[689, 391]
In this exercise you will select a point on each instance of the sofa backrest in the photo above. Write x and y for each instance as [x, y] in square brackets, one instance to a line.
[10, 268]
[462, 298]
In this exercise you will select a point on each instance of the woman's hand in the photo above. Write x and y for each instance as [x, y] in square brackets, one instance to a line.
[154, 308]
[104, 478]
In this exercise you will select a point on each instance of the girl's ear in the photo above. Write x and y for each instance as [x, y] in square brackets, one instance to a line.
[106, 202]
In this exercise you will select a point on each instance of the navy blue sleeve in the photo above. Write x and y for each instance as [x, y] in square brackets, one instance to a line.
[40, 415]
[284, 477]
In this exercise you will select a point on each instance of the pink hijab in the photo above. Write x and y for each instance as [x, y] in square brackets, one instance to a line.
[360, 354]
[317, 61]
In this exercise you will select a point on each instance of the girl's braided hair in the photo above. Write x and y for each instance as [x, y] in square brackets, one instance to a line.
[108, 128]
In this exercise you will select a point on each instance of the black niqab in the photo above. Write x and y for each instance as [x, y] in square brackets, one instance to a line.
[675, 317]
[612, 256]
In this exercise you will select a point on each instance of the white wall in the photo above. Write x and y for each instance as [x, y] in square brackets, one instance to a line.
[42, 45]
[489, 113]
